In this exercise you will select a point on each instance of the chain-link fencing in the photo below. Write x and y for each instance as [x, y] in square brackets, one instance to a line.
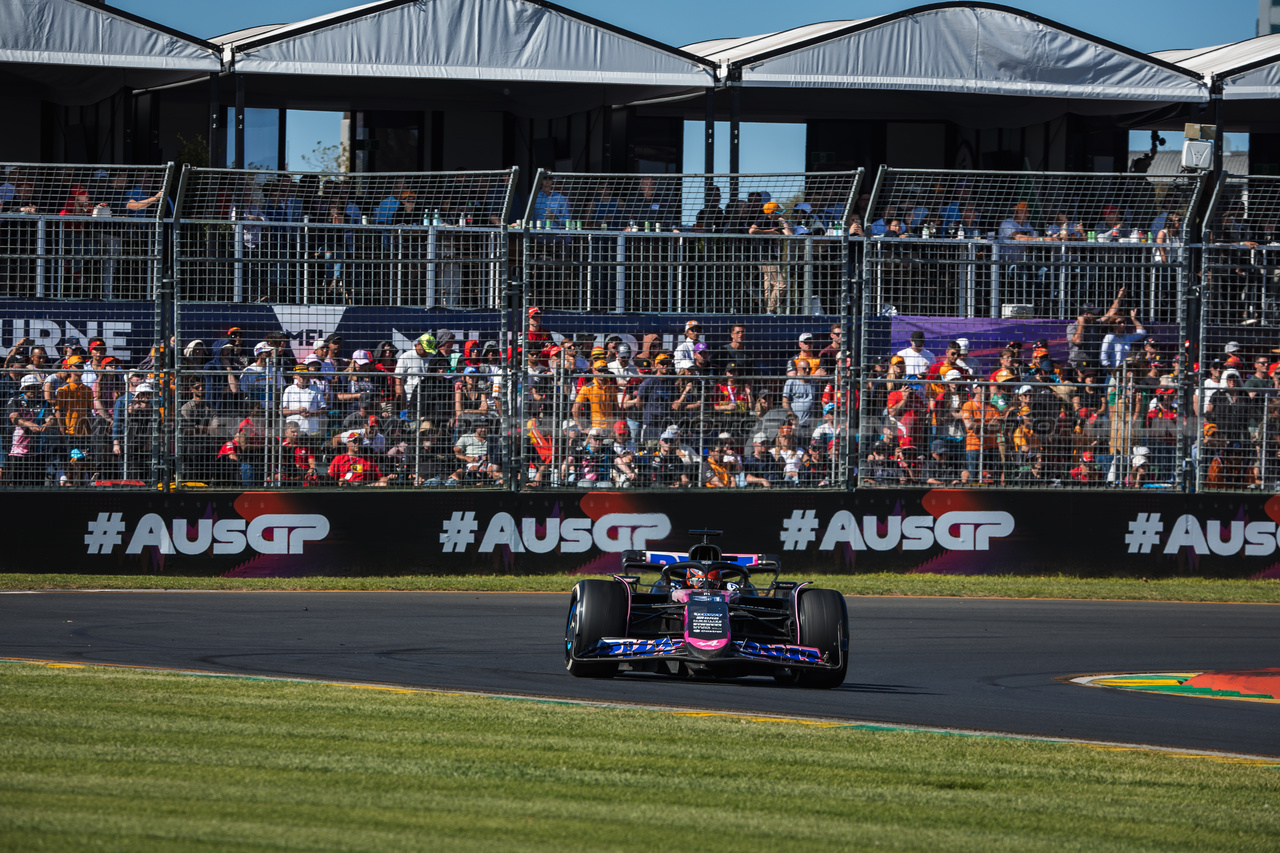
[276, 425]
[1043, 433]
[722, 244]
[422, 240]
[82, 255]
[82, 232]
[1074, 283]
[1236, 391]
[613, 426]
[273, 381]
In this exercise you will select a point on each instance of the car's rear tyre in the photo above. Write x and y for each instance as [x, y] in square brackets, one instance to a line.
[597, 608]
[824, 625]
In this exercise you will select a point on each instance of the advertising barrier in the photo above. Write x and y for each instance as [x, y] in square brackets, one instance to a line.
[274, 534]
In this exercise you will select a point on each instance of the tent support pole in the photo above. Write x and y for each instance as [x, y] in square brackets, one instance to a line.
[214, 119]
[240, 121]
[1219, 128]
[735, 110]
[709, 138]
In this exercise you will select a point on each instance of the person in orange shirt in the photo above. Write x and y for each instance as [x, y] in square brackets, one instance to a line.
[74, 400]
[981, 427]
[601, 396]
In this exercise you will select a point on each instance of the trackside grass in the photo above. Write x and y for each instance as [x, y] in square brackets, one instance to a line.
[105, 759]
[982, 586]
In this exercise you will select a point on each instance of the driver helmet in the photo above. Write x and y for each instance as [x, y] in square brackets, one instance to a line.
[701, 577]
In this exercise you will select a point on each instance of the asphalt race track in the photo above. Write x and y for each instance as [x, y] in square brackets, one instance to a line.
[954, 663]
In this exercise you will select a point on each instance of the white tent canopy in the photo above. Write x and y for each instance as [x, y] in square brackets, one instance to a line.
[77, 53]
[961, 48]
[1247, 70]
[467, 40]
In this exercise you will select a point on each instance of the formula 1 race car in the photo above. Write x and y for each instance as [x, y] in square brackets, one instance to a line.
[705, 616]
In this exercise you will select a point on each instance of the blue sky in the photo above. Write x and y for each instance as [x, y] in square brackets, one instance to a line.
[1144, 25]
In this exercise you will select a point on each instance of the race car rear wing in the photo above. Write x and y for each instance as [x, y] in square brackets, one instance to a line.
[654, 560]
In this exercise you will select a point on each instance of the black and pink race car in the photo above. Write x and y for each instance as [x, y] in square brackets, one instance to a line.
[705, 616]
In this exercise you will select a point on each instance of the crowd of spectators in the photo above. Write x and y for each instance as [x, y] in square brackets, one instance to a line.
[597, 411]
[1120, 409]
[1107, 403]
[613, 410]
[602, 413]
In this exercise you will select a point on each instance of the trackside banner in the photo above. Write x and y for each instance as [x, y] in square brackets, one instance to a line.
[379, 533]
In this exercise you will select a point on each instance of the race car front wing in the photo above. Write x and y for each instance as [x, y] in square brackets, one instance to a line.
[626, 648]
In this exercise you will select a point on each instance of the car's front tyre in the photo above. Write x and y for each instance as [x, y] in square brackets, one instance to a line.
[824, 625]
[597, 608]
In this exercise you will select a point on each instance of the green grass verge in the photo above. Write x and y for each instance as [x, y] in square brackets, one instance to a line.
[983, 586]
[135, 761]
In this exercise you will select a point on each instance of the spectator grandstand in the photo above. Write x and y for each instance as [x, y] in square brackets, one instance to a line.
[250, 329]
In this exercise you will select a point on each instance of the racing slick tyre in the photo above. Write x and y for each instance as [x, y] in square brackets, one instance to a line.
[824, 625]
[597, 608]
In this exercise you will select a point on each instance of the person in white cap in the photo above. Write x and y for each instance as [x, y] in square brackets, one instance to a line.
[355, 381]
[303, 405]
[253, 379]
[684, 355]
[669, 468]
[24, 465]
[132, 439]
[622, 366]
[805, 346]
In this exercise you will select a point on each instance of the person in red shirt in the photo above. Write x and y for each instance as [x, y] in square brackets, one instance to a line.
[1162, 433]
[297, 463]
[943, 395]
[351, 469]
[233, 459]
[830, 354]
[940, 368]
[906, 412]
[1087, 473]
[735, 402]
[535, 337]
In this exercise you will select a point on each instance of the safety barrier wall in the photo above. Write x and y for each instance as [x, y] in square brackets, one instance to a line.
[356, 272]
[950, 531]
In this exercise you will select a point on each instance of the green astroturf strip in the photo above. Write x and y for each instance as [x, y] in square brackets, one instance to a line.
[1184, 690]
[985, 586]
[112, 759]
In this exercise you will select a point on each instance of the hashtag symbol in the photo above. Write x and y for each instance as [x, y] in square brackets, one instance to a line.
[799, 530]
[104, 534]
[1144, 533]
[459, 532]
